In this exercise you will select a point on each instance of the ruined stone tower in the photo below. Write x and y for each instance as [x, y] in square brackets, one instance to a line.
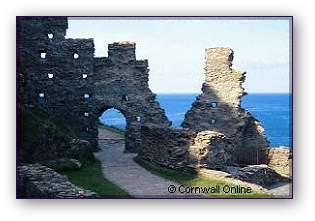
[218, 108]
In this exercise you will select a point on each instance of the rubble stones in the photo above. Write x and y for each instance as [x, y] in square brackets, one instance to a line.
[258, 174]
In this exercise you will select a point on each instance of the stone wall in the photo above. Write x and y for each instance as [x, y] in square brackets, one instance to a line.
[121, 82]
[185, 148]
[37, 181]
[63, 77]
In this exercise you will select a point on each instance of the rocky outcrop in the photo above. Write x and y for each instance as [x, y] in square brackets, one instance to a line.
[218, 108]
[38, 181]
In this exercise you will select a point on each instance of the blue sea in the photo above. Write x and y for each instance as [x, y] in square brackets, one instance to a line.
[272, 110]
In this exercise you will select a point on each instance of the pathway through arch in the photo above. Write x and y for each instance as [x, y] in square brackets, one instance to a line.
[121, 169]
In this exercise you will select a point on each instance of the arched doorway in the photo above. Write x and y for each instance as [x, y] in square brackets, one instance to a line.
[112, 129]
[113, 119]
[118, 123]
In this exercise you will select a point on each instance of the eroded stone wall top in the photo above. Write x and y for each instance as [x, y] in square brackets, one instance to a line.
[222, 83]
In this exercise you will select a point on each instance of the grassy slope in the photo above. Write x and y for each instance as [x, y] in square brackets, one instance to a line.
[90, 177]
[194, 180]
[112, 128]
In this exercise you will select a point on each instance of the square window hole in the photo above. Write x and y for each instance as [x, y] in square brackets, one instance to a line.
[41, 95]
[50, 75]
[86, 114]
[50, 35]
[84, 76]
[86, 96]
[43, 55]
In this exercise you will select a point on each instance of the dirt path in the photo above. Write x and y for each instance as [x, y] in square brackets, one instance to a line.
[121, 169]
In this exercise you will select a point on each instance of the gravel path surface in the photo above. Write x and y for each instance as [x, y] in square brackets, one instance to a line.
[121, 169]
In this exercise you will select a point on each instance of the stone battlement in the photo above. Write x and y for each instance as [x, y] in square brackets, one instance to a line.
[63, 77]
[123, 52]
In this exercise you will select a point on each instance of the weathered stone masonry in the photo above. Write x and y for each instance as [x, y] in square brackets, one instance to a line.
[218, 108]
[216, 132]
[39, 181]
[63, 76]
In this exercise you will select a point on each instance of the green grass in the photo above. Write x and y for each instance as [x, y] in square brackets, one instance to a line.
[112, 128]
[195, 180]
[90, 177]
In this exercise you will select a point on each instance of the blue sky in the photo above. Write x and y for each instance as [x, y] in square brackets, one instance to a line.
[175, 49]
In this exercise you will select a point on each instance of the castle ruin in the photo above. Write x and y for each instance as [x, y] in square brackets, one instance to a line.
[62, 76]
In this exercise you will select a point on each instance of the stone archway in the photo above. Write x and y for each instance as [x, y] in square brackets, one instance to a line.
[113, 118]
[120, 81]
[132, 128]
[111, 132]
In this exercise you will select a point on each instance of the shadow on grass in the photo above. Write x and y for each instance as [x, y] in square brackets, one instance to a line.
[195, 180]
[90, 177]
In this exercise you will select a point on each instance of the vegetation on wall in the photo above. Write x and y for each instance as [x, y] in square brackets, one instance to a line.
[40, 137]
